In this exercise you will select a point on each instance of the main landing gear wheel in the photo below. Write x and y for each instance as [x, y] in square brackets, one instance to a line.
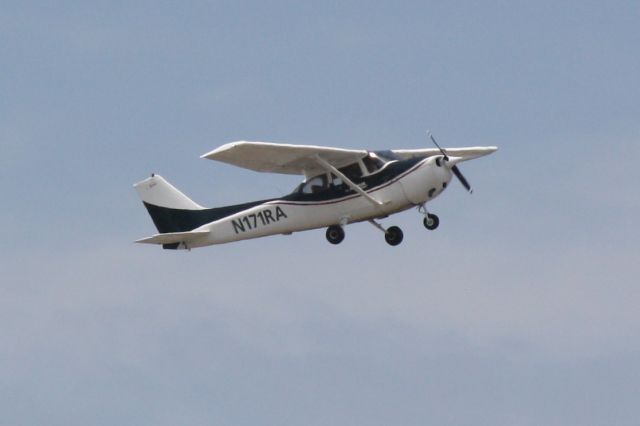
[335, 234]
[393, 236]
[431, 221]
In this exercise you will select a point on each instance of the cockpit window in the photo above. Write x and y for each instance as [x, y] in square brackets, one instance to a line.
[352, 171]
[314, 185]
[372, 163]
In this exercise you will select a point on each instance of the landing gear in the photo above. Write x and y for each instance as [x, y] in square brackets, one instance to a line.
[431, 221]
[393, 236]
[335, 234]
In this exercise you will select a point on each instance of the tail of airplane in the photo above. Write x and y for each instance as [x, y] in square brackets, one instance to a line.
[170, 210]
[176, 215]
[158, 192]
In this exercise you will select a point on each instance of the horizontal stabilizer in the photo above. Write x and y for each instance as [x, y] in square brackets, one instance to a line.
[174, 237]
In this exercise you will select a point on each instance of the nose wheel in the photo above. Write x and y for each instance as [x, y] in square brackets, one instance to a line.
[431, 221]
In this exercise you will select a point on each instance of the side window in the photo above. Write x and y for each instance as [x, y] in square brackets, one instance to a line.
[352, 171]
[315, 185]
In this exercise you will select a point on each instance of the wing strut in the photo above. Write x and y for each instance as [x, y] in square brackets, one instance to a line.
[331, 169]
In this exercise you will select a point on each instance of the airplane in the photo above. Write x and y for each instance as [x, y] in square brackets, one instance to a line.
[341, 186]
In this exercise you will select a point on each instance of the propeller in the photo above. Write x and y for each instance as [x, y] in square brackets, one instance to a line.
[456, 171]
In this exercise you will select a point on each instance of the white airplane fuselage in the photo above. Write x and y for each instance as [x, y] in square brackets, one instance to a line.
[415, 186]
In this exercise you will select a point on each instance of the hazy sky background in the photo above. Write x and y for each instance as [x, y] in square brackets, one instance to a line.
[523, 308]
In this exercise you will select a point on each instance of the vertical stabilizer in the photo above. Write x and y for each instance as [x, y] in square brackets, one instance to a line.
[158, 192]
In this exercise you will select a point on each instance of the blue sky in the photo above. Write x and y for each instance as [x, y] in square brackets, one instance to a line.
[522, 308]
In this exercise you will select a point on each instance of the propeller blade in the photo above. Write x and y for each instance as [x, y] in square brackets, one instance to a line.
[436, 144]
[456, 171]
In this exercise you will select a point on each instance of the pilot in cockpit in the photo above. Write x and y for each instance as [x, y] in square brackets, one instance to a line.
[314, 185]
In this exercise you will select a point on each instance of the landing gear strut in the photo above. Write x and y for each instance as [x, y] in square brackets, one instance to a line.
[335, 234]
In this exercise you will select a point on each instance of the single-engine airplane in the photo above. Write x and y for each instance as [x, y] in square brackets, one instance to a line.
[341, 186]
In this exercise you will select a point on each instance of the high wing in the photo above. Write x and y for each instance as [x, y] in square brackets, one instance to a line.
[283, 158]
[465, 154]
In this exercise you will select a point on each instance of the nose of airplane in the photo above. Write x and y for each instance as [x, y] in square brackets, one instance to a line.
[451, 163]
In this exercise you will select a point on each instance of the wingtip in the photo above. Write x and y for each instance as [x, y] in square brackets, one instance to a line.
[209, 155]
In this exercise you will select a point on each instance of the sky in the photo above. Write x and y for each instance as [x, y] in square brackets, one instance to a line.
[521, 309]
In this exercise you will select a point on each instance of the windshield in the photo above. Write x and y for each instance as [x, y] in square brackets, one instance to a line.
[387, 155]
[376, 161]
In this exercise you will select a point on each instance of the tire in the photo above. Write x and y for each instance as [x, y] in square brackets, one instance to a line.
[431, 222]
[393, 236]
[335, 234]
